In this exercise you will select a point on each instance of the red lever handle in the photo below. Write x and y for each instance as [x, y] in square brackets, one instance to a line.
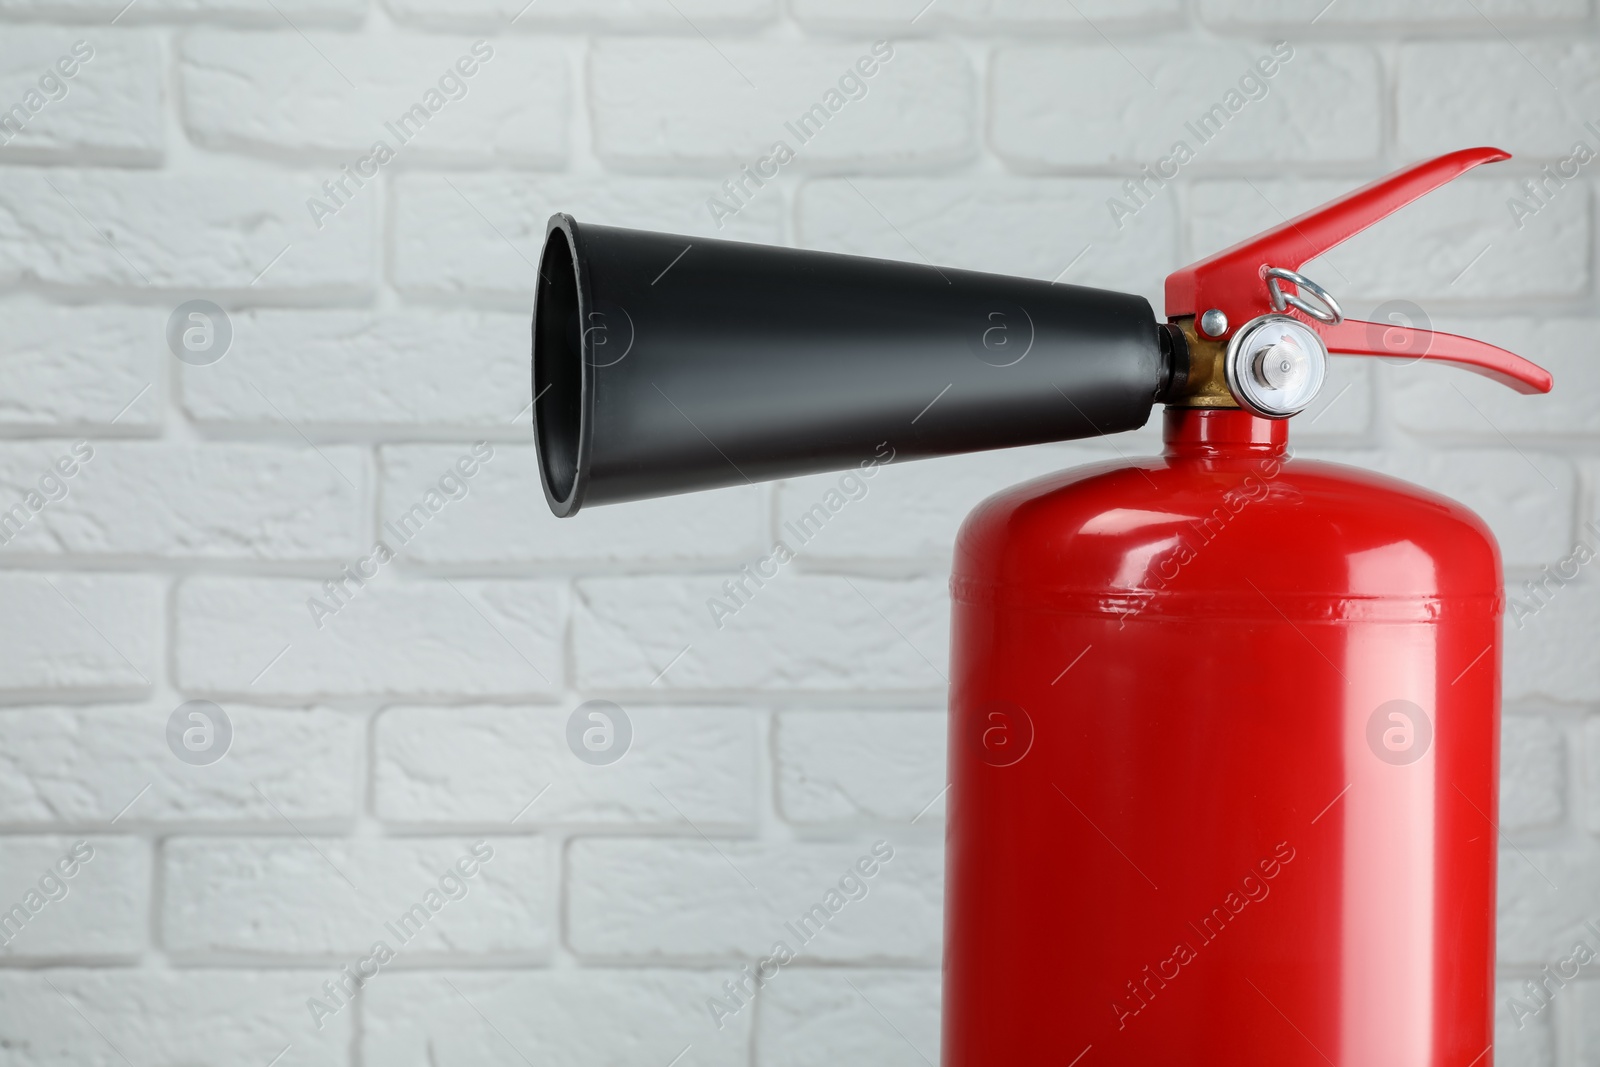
[1234, 281]
[1357, 338]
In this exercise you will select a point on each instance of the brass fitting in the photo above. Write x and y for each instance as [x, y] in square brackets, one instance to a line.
[1207, 383]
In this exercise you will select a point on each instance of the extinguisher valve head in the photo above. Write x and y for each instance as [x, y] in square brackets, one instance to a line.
[1275, 366]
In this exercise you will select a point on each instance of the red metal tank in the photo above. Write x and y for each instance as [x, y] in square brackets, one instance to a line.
[1223, 723]
[1223, 750]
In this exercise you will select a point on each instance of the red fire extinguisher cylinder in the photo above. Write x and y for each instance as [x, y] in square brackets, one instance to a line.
[1223, 722]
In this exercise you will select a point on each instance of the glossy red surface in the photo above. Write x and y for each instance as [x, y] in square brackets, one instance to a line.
[1185, 827]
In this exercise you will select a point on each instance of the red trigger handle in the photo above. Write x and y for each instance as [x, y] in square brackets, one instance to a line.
[1235, 282]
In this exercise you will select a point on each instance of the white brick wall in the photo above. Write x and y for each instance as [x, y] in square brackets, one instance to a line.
[919, 107]
[730, 901]
[109, 109]
[1145, 94]
[372, 349]
[269, 94]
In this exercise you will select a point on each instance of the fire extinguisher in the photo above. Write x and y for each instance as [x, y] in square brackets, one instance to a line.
[1223, 723]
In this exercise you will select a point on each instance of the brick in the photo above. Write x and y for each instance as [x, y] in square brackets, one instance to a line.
[1586, 1011]
[800, 633]
[319, 897]
[1590, 762]
[901, 16]
[890, 16]
[76, 369]
[1047, 13]
[1428, 13]
[816, 1018]
[733, 899]
[274, 92]
[438, 766]
[1090, 105]
[99, 911]
[211, 501]
[108, 111]
[861, 766]
[1588, 526]
[1535, 105]
[627, 15]
[1052, 229]
[676, 104]
[1527, 500]
[1546, 895]
[511, 1019]
[214, 232]
[1533, 773]
[1456, 245]
[482, 234]
[359, 368]
[302, 12]
[1531, 1045]
[166, 1016]
[1344, 409]
[80, 633]
[913, 509]
[507, 520]
[1547, 648]
[86, 765]
[1447, 403]
[391, 638]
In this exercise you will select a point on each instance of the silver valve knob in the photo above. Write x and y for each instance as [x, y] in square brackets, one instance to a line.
[1283, 366]
[1275, 366]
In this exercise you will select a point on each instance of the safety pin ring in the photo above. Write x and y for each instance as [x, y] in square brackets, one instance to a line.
[1329, 314]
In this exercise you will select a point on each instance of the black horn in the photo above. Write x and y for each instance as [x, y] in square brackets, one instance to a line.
[665, 364]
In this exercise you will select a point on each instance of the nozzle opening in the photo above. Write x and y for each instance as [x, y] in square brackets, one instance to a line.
[559, 371]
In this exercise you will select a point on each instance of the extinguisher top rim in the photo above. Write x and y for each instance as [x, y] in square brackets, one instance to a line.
[563, 386]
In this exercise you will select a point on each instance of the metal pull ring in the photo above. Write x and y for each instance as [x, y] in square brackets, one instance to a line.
[1329, 314]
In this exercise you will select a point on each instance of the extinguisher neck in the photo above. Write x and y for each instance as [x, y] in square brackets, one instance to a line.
[1218, 432]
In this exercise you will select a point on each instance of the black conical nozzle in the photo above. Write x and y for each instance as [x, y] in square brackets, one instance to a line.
[666, 364]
